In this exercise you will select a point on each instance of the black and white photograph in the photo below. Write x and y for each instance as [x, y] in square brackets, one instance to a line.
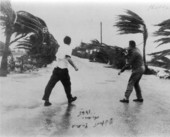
[84, 68]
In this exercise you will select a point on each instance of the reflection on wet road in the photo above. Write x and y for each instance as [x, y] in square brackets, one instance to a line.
[58, 120]
[131, 118]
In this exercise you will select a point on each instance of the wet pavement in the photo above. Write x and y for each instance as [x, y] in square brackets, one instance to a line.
[96, 113]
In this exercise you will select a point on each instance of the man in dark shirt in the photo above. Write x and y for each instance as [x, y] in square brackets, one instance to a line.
[135, 61]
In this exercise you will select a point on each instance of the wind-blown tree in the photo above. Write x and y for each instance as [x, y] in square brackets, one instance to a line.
[132, 24]
[85, 49]
[103, 53]
[163, 32]
[7, 21]
[42, 53]
[21, 24]
[93, 44]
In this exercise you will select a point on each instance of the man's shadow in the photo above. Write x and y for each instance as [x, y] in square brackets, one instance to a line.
[131, 117]
[64, 124]
[56, 121]
[65, 121]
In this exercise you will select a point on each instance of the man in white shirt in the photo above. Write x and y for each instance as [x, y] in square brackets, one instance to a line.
[60, 73]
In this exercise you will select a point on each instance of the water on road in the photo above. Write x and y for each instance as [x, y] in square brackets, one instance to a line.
[96, 113]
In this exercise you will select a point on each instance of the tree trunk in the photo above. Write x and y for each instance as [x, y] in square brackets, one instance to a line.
[145, 36]
[4, 62]
[144, 54]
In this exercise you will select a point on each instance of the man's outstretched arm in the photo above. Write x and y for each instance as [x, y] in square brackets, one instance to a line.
[124, 68]
[71, 62]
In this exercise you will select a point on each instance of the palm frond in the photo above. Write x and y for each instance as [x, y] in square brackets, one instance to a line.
[161, 58]
[163, 52]
[163, 31]
[42, 22]
[127, 24]
[28, 23]
[163, 41]
[135, 16]
[164, 23]
[130, 23]
[25, 48]
[25, 43]
[130, 19]
[128, 30]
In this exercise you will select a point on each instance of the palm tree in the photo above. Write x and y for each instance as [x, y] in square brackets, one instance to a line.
[21, 24]
[7, 23]
[132, 24]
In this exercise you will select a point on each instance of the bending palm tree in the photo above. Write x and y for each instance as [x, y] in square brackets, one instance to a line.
[132, 23]
[7, 23]
[21, 23]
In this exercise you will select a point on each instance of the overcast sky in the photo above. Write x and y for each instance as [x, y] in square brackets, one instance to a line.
[81, 19]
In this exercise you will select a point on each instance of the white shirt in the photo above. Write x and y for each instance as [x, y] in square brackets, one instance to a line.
[63, 50]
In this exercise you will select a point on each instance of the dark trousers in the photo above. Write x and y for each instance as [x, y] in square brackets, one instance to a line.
[58, 75]
[134, 82]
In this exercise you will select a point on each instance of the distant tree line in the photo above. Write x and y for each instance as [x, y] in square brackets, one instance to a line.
[97, 52]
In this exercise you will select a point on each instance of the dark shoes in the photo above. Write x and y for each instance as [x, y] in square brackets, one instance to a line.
[127, 101]
[124, 101]
[138, 100]
[47, 103]
[72, 99]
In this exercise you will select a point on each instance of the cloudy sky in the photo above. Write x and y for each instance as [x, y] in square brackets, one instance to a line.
[81, 19]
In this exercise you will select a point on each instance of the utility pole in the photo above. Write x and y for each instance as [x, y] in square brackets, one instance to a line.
[101, 32]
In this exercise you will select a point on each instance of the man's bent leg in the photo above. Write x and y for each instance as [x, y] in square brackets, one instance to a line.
[67, 84]
[137, 87]
[129, 87]
[138, 91]
[53, 80]
[134, 79]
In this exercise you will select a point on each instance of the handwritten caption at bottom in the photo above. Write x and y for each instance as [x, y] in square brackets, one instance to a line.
[91, 120]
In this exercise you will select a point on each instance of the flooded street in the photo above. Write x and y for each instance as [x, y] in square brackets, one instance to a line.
[97, 111]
